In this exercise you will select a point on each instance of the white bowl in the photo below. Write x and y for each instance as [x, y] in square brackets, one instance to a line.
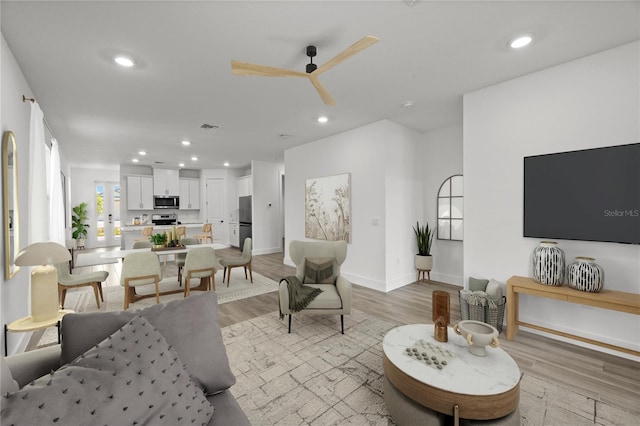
[478, 335]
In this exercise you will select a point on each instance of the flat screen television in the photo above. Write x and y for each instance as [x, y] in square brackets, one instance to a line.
[588, 195]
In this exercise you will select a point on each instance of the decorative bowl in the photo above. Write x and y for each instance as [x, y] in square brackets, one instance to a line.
[478, 335]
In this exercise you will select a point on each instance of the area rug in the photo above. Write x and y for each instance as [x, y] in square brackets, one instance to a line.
[317, 376]
[83, 299]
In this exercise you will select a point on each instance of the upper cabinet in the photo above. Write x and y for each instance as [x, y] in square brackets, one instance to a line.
[139, 193]
[244, 186]
[189, 194]
[166, 182]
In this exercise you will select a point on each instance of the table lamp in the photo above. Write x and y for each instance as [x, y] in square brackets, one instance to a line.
[44, 277]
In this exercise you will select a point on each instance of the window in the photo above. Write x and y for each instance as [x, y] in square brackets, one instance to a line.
[450, 209]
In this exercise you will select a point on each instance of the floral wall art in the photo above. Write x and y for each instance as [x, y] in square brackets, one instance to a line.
[328, 208]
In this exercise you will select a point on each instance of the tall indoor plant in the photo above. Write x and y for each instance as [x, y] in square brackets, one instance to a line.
[424, 238]
[79, 225]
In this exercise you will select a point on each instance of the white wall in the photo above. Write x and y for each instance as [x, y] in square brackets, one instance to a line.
[265, 203]
[14, 294]
[587, 103]
[441, 154]
[380, 158]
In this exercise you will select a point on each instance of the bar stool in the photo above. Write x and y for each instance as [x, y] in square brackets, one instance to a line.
[147, 232]
[181, 232]
[207, 234]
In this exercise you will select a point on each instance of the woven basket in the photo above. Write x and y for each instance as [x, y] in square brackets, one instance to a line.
[491, 316]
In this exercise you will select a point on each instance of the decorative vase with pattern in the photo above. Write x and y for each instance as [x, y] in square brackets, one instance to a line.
[548, 264]
[585, 275]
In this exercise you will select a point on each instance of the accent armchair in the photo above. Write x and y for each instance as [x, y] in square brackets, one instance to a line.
[234, 262]
[318, 265]
[91, 279]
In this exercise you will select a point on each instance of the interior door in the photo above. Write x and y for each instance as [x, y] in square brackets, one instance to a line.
[215, 207]
[107, 221]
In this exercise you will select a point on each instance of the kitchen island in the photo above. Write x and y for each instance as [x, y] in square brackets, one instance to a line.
[131, 233]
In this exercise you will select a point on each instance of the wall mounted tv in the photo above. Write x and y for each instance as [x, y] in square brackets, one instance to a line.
[588, 195]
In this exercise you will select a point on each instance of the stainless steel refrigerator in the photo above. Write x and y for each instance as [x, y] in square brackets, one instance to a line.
[244, 204]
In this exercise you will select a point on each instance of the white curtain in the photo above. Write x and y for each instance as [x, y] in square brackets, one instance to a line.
[56, 205]
[38, 202]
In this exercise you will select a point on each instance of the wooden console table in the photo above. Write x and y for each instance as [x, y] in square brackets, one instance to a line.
[605, 299]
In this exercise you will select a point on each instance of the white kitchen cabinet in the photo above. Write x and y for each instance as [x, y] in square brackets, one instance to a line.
[244, 186]
[189, 194]
[166, 182]
[234, 235]
[139, 193]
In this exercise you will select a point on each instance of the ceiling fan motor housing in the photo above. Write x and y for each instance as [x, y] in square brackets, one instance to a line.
[311, 52]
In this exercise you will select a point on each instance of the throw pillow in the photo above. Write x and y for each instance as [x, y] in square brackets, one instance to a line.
[131, 377]
[190, 325]
[477, 284]
[318, 270]
[494, 290]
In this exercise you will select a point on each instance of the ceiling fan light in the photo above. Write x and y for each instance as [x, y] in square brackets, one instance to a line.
[311, 68]
[123, 61]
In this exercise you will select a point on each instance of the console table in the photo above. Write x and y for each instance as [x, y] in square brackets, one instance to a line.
[605, 299]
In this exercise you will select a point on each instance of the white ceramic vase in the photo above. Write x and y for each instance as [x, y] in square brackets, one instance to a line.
[585, 275]
[548, 264]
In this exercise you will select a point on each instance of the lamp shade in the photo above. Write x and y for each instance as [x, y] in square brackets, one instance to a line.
[45, 253]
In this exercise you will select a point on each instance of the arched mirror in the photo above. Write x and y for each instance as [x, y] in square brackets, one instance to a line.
[450, 209]
[10, 203]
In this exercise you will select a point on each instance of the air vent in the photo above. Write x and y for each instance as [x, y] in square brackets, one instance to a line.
[158, 162]
[209, 126]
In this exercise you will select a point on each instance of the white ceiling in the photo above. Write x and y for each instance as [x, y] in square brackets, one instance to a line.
[429, 52]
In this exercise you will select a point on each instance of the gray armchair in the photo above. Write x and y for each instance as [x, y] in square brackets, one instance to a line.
[335, 298]
[91, 279]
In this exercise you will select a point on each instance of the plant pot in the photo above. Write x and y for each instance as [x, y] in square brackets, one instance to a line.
[80, 243]
[158, 246]
[424, 263]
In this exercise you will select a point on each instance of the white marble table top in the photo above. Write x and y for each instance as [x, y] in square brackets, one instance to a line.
[464, 373]
[120, 254]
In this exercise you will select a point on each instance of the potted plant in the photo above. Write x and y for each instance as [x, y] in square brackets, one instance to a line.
[424, 238]
[79, 225]
[158, 240]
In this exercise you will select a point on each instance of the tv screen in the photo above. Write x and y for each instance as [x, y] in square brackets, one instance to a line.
[589, 195]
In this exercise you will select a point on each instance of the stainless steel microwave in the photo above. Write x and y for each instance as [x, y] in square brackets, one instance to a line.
[166, 202]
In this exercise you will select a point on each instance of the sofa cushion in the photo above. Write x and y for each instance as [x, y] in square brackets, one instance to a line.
[318, 270]
[494, 290]
[190, 325]
[131, 377]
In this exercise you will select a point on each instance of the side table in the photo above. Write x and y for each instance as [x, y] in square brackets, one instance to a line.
[26, 324]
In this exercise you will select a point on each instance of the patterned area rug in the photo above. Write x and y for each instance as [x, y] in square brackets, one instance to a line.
[317, 376]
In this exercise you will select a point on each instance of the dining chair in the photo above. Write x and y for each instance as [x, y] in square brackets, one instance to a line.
[244, 261]
[67, 280]
[142, 244]
[207, 234]
[142, 268]
[181, 257]
[200, 263]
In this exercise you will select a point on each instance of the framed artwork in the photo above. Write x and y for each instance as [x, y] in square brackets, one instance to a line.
[327, 212]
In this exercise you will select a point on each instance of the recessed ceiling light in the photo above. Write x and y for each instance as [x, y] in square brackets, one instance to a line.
[135, 160]
[407, 104]
[123, 61]
[142, 152]
[194, 158]
[226, 164]
[323, 119]
[521, 41]
[186, 143]
[181, 164]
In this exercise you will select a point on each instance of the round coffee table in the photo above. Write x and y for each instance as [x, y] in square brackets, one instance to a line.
[468, 386]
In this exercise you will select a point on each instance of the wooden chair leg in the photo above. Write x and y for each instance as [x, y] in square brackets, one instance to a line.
[187, 285]
[62, 294]
[157, 292]
[224, 275]
[100, 290]
[228, 268]
[212, 281]
[126, 295]
[250, 272]
[95, 293]
[245, 272]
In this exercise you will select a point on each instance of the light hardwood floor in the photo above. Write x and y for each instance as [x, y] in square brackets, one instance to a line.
[604, 377]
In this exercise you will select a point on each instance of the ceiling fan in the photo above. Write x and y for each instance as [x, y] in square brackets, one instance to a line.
[312, 70]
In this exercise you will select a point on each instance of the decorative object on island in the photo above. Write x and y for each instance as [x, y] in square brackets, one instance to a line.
[548, 264]
[79, 225]
[585, 275]
[44, 277]
[158, 240]
[327, 212]
[441, 308]
[478, 335]
[424, 260]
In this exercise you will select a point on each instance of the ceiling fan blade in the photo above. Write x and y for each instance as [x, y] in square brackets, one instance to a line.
[246, 68]
[326, 97]
[356, 47]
